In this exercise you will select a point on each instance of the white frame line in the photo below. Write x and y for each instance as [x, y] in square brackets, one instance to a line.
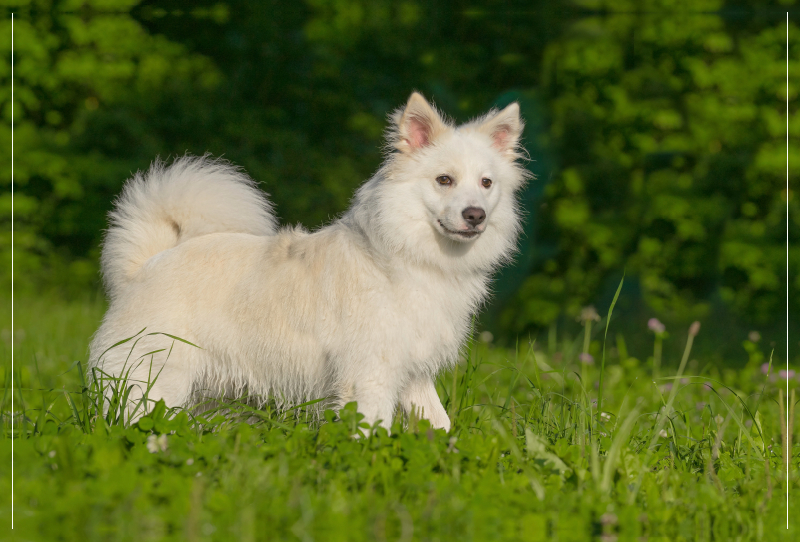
[788, 451]
[787, 271]
[12, 271]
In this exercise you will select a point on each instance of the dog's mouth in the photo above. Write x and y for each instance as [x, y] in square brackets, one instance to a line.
[462, 234]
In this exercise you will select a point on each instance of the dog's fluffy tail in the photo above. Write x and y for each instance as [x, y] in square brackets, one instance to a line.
[167, 205]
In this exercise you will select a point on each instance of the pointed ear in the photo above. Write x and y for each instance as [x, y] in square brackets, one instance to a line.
[504, 128]
[418, 125]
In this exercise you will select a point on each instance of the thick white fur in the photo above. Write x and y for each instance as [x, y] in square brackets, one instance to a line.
[369, 308]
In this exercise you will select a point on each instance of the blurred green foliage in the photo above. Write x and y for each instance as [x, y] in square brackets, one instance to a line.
[670, 135]
[657, 135]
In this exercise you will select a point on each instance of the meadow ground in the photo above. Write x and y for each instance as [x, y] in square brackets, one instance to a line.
[697, 454]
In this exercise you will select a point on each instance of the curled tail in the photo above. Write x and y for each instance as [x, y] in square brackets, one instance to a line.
[169, 204]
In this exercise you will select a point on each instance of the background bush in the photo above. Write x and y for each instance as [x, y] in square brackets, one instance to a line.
[657, 134]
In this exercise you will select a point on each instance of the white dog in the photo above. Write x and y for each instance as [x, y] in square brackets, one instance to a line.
[369, 308]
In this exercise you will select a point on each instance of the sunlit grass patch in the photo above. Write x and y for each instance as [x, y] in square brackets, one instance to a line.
[535, 452]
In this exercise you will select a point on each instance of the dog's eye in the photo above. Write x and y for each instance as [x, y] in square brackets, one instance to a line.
[486, 183]
[444, 180]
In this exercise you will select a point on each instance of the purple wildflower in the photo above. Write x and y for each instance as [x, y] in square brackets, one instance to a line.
[765, 368]
[786, 374]
[656, 326]
[586, 358]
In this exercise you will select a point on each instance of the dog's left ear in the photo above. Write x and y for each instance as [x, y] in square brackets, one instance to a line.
[504, 128]
[417, 125]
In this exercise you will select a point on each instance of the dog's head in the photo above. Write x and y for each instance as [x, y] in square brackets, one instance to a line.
[446, 194]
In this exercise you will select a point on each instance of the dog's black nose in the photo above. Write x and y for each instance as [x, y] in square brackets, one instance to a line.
[473, 215]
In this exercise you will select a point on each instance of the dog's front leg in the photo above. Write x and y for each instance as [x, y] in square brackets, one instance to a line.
[421, 394]
[376, 399]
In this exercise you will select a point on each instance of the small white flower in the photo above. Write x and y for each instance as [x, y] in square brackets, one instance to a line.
[452, 447]
[52, 453]
[663, 433]
[588, 314]
[157, 443]
[608, 519]
[190, 461]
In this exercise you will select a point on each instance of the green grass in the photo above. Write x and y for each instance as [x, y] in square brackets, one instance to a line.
[529, 456]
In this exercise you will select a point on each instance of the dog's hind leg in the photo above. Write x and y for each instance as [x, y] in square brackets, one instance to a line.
[142, 381]
[174, 389]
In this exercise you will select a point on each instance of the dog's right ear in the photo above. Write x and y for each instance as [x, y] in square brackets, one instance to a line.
[417, 125]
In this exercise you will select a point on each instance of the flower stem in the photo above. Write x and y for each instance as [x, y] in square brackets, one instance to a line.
[657, 356]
